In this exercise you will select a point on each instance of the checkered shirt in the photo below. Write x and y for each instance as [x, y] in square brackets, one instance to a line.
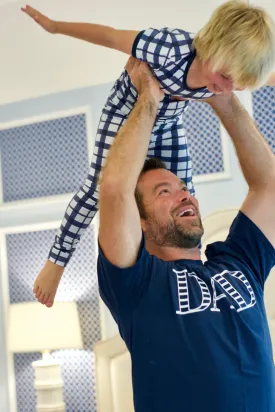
[169, 53]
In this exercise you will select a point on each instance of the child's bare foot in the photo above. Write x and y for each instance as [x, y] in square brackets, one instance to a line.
[46, 283]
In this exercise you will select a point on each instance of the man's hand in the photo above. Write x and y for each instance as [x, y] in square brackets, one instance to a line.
[143, 78]
[49, 25]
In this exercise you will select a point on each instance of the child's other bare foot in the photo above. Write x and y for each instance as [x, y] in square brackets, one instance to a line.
[46, 283]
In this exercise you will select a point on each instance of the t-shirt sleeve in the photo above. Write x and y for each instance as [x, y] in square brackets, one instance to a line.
[122, 289]
[160, 47]
[247, 243]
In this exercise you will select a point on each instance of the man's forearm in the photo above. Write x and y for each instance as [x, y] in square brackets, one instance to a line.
[128, 152]
[255, 156]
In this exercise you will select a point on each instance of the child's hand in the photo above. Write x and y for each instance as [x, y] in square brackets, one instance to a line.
[47, 24]
[46, 283]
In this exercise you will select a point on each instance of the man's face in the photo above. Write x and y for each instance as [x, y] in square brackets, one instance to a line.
[172, 214]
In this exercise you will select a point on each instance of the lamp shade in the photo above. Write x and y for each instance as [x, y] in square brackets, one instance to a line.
[35, 328]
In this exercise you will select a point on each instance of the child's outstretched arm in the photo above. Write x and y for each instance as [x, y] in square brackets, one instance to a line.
[106, 36]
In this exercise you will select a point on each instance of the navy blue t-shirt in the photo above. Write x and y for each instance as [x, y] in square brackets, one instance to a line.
[197, 332]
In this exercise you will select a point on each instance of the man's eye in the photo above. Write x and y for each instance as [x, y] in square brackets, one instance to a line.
[163, 191]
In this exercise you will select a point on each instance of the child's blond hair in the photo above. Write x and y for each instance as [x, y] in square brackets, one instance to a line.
[239, 39]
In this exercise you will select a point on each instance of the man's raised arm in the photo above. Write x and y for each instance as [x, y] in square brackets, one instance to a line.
[120, 229]
[256, 160]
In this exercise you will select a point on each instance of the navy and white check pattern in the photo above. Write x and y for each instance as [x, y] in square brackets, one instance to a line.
[169, 53]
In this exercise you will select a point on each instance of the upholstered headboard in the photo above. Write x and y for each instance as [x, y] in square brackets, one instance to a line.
[113, 363]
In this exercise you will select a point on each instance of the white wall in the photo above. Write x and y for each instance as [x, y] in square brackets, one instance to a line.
[35, 63]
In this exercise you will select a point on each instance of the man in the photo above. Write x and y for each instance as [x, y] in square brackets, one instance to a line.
[197, 333]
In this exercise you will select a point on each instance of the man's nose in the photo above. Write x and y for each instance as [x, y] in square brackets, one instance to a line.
[183, 195]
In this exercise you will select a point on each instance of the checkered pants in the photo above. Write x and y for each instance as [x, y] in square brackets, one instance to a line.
[168, 143]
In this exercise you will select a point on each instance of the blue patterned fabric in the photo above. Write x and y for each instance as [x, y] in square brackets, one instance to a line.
[204, 139]
[79, 284]
[35, 158]
[169, 53]
[264, 112]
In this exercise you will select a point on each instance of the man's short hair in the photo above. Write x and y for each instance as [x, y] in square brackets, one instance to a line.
[150, 164]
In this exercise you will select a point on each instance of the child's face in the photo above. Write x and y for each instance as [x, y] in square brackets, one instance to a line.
[218, 82]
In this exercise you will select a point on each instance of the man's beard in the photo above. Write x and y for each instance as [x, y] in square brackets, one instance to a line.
[173, 234]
